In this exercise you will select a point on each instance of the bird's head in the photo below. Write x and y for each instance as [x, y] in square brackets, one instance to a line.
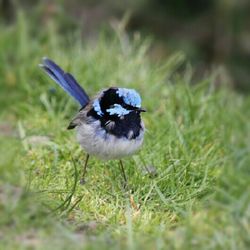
[118, 102]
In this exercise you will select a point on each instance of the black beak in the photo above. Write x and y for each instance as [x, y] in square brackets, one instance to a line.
[141, 110]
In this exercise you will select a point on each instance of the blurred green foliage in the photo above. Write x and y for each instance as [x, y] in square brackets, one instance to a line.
[211, 33]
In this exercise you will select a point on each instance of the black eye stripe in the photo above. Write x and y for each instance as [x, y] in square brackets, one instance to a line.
[129, 107]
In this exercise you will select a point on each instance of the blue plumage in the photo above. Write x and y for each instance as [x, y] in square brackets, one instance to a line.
[97, 107]
[130, 97]
[65, 81]
[118, 110]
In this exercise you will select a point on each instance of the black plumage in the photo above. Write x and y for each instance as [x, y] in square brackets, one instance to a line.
[128, 126]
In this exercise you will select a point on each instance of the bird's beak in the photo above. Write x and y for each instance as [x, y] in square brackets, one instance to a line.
[141, 110]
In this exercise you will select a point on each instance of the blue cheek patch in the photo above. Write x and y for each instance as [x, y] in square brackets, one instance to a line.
[97, 107]
[130, 97]
[118, 110]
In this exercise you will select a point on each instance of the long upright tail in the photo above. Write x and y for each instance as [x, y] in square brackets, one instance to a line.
[65, 81]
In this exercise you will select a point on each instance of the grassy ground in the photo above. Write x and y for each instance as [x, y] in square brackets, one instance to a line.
[196, 149]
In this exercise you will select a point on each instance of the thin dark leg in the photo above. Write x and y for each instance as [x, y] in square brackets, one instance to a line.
[123, 173]
[82, 181]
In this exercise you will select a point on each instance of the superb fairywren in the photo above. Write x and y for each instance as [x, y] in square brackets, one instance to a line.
[108, 126]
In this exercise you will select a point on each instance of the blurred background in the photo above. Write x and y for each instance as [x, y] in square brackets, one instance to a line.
[213, 34]
[197, 139]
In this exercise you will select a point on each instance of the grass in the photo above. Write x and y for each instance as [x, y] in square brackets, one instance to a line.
[196, 148]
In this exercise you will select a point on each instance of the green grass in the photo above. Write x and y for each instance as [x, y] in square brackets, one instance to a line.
[197, 140]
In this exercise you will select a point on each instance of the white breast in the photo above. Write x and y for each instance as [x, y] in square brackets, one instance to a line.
[96, 141]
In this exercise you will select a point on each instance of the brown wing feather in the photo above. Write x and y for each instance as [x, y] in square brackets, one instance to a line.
[80, 117]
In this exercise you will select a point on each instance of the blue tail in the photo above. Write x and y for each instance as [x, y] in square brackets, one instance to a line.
[65, 81]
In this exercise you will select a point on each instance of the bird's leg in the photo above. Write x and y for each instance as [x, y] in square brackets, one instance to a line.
[82, 180]
[123, 173]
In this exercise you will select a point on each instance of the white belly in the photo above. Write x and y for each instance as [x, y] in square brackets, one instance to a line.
[95, 141]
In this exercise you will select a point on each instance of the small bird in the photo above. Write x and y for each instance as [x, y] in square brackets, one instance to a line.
[109, 126]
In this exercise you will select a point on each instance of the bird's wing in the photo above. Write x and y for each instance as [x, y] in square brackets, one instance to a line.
[81, 117]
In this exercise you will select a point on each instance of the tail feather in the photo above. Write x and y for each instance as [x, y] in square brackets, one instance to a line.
[65, 81]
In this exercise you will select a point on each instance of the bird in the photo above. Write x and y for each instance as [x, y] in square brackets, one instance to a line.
[109, 125]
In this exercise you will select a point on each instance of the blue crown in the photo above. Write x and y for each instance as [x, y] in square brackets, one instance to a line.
[130, 97]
